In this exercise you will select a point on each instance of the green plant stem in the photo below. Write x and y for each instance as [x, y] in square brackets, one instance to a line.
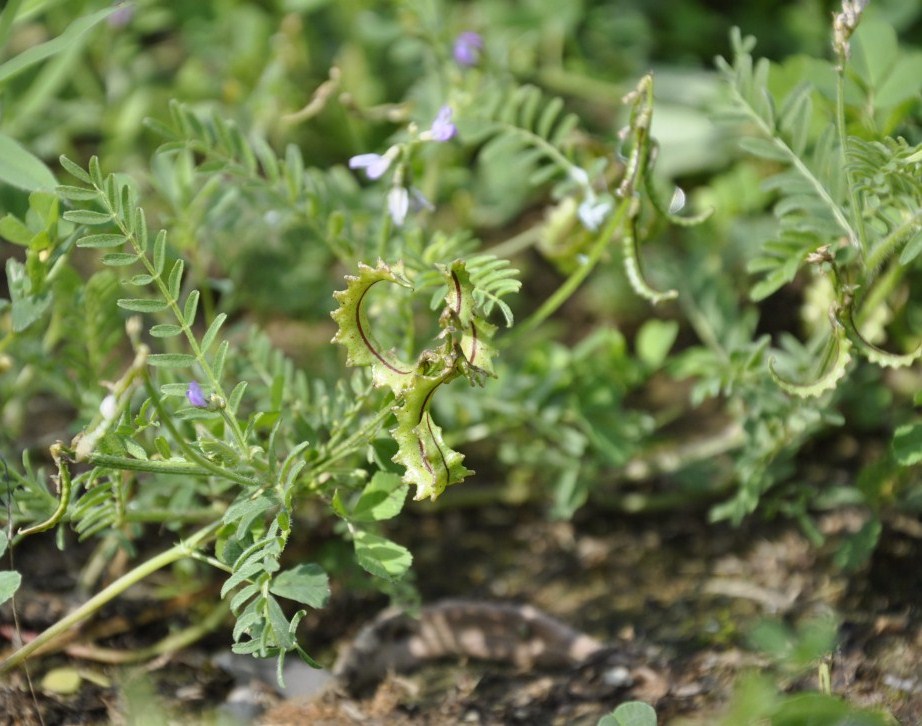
[888, 245]
[570, 285]
[170, 644]
[512, 246]
[171, 516]
[560, 80]
[879, 292]
[150, 465]
[174, 554]
[842, 132]
[344, 448]
[190, 452]
[7, 16]
[178, 313]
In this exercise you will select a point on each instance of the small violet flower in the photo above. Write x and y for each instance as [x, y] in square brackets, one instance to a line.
[467, 49]
[121, 17]
[195, 396]
[442, 128]
[398, 204]
[592, 212]
[374, 164]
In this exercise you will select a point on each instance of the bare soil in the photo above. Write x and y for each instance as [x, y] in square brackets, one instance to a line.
[674, 597]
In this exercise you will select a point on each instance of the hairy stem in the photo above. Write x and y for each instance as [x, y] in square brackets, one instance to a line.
[842, 132]
[570, 285]
[174, 554]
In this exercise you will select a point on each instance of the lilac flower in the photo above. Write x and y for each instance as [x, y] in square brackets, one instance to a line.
[442, 128]
[467, 48]
[398, 204]
[374, 164]
[121, 17]
[195, 396]
[592, 212]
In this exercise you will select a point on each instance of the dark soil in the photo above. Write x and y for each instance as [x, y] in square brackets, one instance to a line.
[674, 597]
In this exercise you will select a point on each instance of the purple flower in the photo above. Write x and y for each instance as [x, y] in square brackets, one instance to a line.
[593, 211]
[121, 17]
[467, 48]
[374, 164]
[442, 128]
[398, 204]
[195, 396]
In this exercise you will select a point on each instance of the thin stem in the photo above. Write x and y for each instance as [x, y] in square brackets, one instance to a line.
[842, 132]
[178, 314]
[570, 285]
[7, 16]
[888, 244]
[879, 291]
[346, 446]
[91, 606]
[170, 644]
[190, 452]
[522, 241]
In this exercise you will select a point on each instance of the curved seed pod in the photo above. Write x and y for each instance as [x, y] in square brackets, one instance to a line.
[872, 352]
[430, 463]
[470, 333]
[827, 380]
[462, 348]
[634, 270]
[355, 330]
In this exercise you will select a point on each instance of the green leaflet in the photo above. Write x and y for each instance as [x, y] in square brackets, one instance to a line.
[462, 349]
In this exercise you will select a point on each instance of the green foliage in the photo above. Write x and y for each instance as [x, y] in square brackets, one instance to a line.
[9, 581]
[756, 698]
[632, 713]
[151, 305]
